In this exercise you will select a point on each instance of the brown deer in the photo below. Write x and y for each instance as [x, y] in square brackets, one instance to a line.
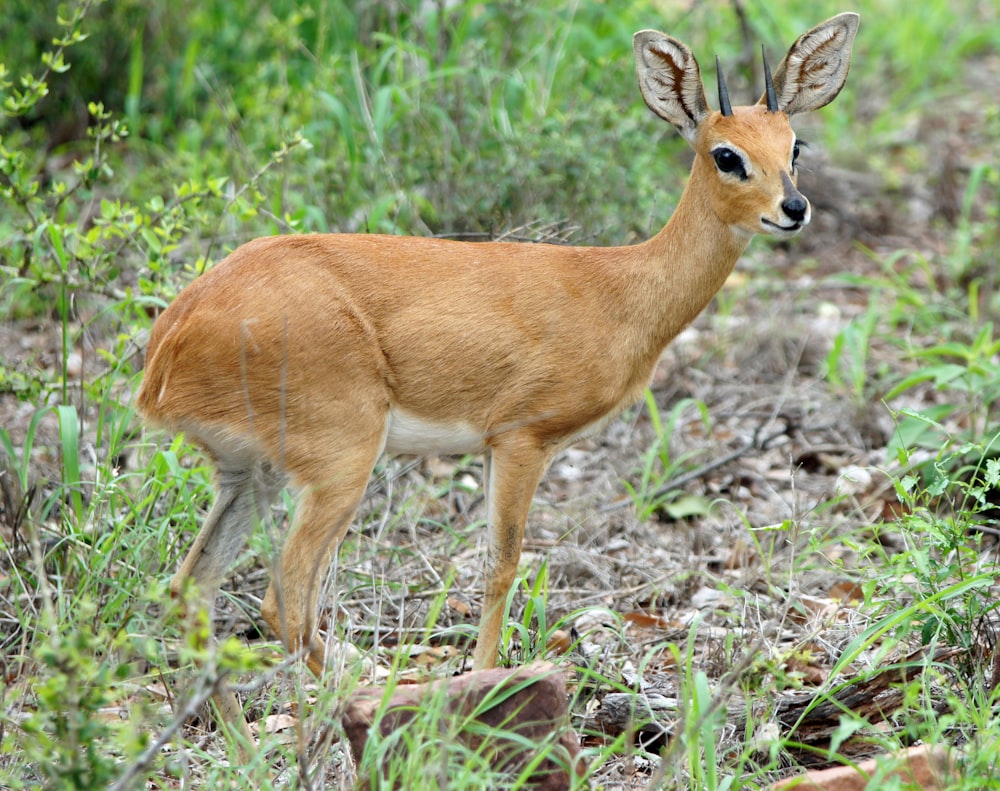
[303, 359]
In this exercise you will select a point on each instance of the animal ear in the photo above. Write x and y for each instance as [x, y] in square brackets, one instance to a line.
[670, 81]
[816, 66]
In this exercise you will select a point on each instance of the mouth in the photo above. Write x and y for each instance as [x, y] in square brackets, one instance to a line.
[781, 230]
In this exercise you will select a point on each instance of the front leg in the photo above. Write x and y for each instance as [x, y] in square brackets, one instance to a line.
[513, 469]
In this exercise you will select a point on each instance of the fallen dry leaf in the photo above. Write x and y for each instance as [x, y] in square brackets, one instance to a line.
[559, 642]
[273, 723]
[846, 591]
[460, 607]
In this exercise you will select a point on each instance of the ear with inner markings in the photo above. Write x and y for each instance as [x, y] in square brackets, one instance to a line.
[670, 81]
[815, 68]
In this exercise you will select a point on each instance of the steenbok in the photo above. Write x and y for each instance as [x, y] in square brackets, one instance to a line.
[302, 359]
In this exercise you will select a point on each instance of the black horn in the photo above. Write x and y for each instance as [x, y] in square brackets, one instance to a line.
[772, 99]
[724, 105]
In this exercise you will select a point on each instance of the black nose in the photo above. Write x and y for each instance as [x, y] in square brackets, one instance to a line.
[795, 208]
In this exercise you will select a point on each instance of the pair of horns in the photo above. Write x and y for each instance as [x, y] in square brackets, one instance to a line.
[772, 97]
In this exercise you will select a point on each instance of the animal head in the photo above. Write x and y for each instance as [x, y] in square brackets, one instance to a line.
[746, 156]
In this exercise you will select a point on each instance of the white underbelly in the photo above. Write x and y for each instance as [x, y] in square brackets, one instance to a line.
[409, 434]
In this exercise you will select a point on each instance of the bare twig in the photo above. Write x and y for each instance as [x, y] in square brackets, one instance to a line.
[758, 443]
[209, 685]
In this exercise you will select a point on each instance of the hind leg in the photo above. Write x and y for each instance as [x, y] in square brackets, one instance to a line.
[334, 481]
[244, 494]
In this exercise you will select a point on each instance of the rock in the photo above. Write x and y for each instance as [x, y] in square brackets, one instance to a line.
[927, 768]
[516, 717]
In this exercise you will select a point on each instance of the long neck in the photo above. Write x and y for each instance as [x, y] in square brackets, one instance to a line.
[689, 261]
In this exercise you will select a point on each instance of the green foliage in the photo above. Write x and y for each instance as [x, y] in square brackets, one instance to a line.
[967, 375]
[530, 635]
[847, 363]
[938, 522]
[66, 740]
[653, 491]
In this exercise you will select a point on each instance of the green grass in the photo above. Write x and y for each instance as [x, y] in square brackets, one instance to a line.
[201, 128]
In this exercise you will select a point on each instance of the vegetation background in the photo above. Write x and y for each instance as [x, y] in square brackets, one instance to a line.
[806, 499]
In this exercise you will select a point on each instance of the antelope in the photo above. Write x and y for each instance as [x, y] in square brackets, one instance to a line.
[302, 359]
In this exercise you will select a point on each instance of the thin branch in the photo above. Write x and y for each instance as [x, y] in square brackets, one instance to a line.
[209, 685]
[758, 443]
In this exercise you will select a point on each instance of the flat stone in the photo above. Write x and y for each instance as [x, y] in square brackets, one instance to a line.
[514, 716]
[925, 767]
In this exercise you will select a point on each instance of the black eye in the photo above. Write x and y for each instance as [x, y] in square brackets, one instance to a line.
[728, 161]
[797, 149]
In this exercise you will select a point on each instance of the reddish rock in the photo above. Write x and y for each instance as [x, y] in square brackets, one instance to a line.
[511, 715]
[927, 768]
